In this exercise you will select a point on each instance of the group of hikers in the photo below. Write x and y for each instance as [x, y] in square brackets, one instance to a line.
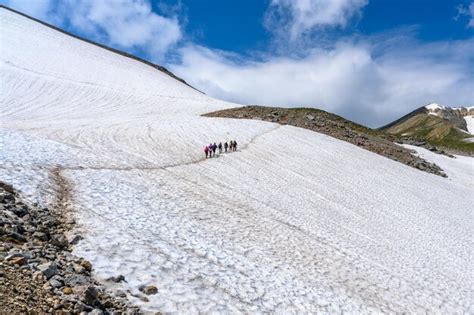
[210, 150]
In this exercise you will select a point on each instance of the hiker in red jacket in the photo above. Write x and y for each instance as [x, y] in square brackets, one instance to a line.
[206, 150]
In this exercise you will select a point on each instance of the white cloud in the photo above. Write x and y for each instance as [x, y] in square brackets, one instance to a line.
[367, 82]
[293, 19]
[467, 11]
[124, 24]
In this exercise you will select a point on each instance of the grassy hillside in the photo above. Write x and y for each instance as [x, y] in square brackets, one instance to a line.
[434, 130]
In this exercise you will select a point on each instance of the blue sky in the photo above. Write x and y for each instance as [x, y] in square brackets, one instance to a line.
[368, 60]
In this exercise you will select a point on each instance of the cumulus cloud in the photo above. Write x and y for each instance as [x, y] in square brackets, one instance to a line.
[467, 11]
[369, 82]
[124, 24]
[294, 19]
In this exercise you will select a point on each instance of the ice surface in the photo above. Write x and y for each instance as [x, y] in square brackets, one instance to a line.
[295, 222]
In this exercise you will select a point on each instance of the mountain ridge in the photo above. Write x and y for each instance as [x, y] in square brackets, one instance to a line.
[441, 126]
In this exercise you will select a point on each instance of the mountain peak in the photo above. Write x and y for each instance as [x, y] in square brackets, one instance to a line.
[450, 128]
[437, 109]
[434, 106]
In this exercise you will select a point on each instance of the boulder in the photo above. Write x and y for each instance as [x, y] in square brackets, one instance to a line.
[41, 236]
[67, 290]
[55, 283]
[7, 187]
[76, 239]
[20, 261]
[88, 294]
[116, 279]
[48, 269]
[150, 290]
[76, 280]
[59, 241]
[86, 264]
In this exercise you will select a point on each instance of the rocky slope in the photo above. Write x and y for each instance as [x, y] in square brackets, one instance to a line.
[335, 126]
[437, 125]
[38, 273]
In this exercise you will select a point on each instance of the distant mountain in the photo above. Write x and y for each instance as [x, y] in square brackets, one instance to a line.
[449, 128]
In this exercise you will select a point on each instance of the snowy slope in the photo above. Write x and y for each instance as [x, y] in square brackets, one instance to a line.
[294, 222]
[469, 124]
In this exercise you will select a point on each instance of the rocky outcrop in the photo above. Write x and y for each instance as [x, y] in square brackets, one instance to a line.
[337, 127]
[38, 273]
[454, 115]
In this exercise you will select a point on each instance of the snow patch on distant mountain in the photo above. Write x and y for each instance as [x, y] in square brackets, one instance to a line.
[434, 106]
[442, 111]
[470, 124]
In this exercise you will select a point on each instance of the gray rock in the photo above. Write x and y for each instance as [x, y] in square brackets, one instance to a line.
[13, 255]
[96, 312]
[7, 187]
[150, 290]
[41, 236]
[89, 295]
[58, 278]
[17, 237]
[81, 307]
[55, 283]
[76, 239]
[59, 241]
[48, 269]
[117, 279]
[76, 280]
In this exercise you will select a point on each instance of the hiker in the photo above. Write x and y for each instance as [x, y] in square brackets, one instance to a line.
[225, 146]
[235, 145]
[206, 150]
[220, 147]
[231, 145]
[214, 147]
[209, 147]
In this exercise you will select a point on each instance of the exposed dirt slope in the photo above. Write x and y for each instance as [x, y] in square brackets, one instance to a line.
[334, 126]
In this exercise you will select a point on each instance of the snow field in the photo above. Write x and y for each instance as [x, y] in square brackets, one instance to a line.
[271, 237]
